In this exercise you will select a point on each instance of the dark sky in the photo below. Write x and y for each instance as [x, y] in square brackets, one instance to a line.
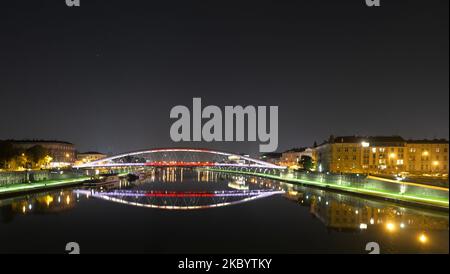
[105, 76]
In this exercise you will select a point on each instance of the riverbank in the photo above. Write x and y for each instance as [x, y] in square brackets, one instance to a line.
[441, 202]
[40, 185]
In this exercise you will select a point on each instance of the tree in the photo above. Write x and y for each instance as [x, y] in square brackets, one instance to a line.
[306, 162]
[36, 155]
[7, 153]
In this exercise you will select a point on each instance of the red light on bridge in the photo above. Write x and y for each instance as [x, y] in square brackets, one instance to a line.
[179, 164]
[179, 194]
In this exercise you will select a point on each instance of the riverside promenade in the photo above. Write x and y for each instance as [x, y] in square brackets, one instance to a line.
[40, 185]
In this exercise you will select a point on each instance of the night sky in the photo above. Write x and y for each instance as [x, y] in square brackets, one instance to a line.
[105, 75]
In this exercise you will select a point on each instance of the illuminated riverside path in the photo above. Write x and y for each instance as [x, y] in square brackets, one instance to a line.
[40, 185]
[193, 210]
[233, 163]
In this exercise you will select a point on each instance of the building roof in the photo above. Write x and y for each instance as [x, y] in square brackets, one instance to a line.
[271, 155]
[91, 152]
[299, 149]
[394, 140]
[426, 141]
[373, 140]
[36, 141]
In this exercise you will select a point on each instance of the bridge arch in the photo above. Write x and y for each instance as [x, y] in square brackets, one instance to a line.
[193, 157]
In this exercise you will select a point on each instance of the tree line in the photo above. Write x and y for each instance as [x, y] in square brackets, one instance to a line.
[13, 157]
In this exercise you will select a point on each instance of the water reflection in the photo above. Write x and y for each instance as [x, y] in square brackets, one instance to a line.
[180, 200]
[181, 189]
[38, 204]
[344, 213]
[348, 214]
[145, 193]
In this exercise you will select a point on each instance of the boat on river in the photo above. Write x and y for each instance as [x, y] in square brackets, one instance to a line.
[104, 180]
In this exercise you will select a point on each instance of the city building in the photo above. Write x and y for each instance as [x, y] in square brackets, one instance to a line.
[291, 158]
[271, 157]
[427, 157]
[90, 156]
[382, 155]
[61, 153]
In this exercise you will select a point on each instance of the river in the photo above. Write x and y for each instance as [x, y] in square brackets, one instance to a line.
[174, 210]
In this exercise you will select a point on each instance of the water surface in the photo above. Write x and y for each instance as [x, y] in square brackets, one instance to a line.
[300, 220]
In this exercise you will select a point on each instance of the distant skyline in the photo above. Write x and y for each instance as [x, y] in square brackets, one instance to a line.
[105, 76]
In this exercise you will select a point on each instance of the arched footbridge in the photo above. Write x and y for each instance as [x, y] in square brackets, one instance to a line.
[180, 157]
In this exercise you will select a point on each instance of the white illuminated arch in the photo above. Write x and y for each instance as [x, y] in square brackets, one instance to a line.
[107, 162]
